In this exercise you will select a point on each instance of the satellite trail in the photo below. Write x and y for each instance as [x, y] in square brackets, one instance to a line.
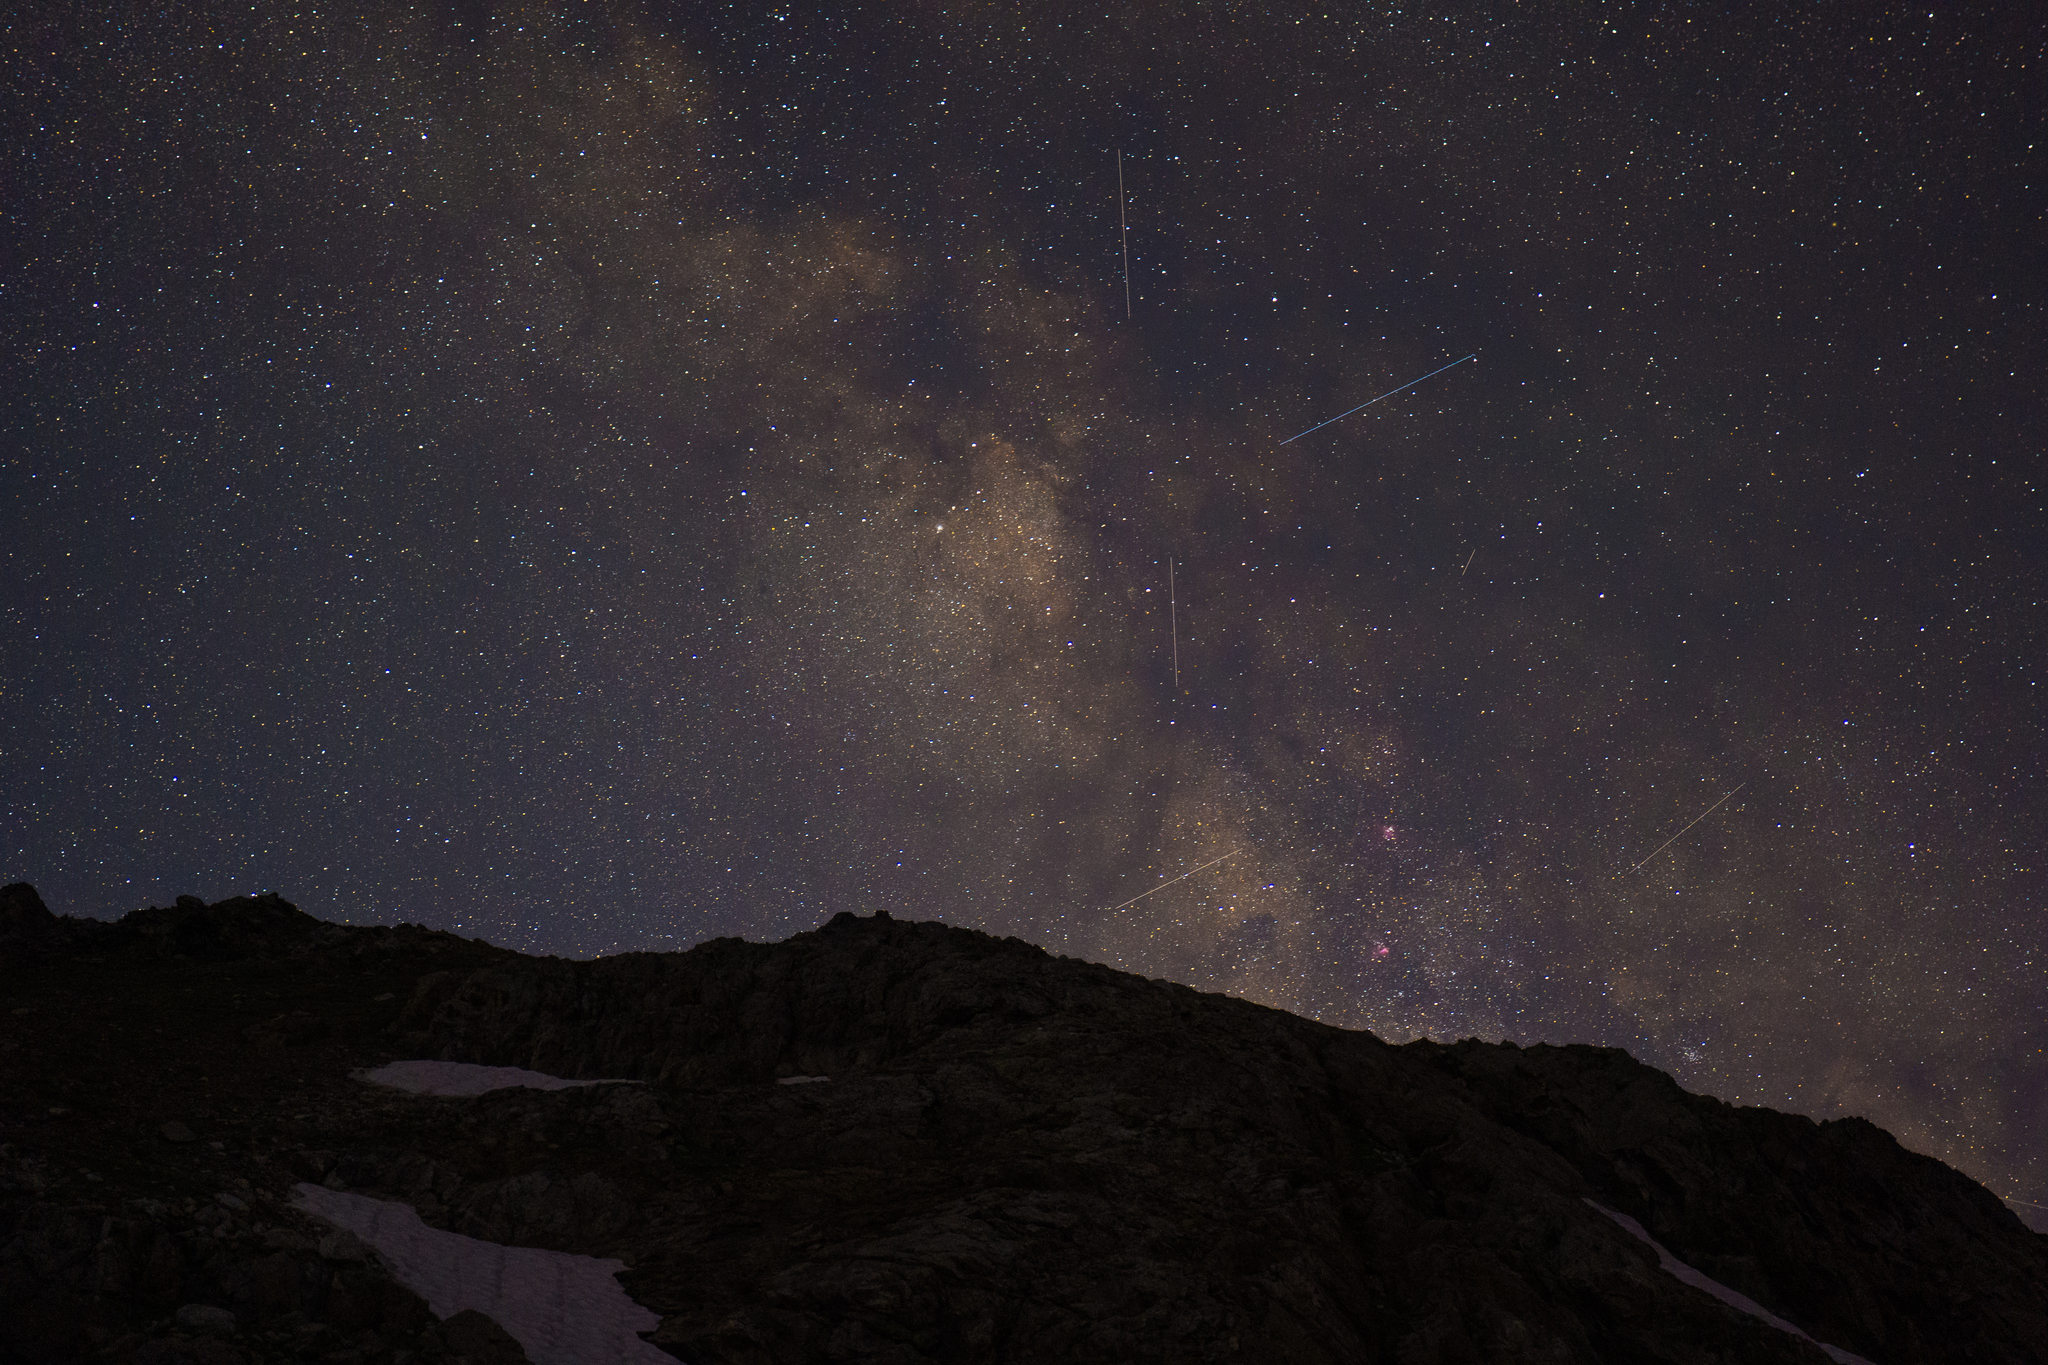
[1388, 394]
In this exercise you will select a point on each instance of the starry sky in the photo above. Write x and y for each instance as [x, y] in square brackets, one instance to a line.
[608, 476]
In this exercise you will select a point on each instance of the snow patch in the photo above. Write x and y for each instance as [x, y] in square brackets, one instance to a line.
[803, 1080]
[465, 1079]
[1680, 1271]
[564, 1309]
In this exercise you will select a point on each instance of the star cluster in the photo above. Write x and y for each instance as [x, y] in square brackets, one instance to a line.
[607, 476]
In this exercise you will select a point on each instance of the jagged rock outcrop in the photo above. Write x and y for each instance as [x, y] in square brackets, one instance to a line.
[23, 914]
[899, 1142]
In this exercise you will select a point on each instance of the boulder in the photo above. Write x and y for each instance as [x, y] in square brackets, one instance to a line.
[206, 1320]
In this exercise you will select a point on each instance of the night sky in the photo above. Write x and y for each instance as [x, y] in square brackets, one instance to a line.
[605, 478]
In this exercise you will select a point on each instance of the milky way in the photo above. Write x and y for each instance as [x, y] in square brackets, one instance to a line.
[605, 479]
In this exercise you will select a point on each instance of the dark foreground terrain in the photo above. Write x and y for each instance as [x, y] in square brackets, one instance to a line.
[1017, 1157]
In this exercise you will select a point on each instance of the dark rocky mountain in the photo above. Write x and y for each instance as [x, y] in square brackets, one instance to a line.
[1010, 1157]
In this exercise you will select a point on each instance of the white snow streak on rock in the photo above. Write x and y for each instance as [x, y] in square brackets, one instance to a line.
[803, 1080]
[564, 1309]
[463, 1079]
[1679, 1270]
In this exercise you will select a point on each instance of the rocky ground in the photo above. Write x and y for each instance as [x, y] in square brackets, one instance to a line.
[1012, 1157]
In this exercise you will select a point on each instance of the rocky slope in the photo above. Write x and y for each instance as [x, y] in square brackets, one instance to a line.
[1010, 1157]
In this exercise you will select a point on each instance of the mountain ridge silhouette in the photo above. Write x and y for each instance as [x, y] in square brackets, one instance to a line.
[889, 1140]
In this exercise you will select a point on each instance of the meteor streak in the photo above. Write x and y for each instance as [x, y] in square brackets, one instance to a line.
[1123, 230]
[1181, 878]
[1173, 615]
[1674, 838]
[1388, 394]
